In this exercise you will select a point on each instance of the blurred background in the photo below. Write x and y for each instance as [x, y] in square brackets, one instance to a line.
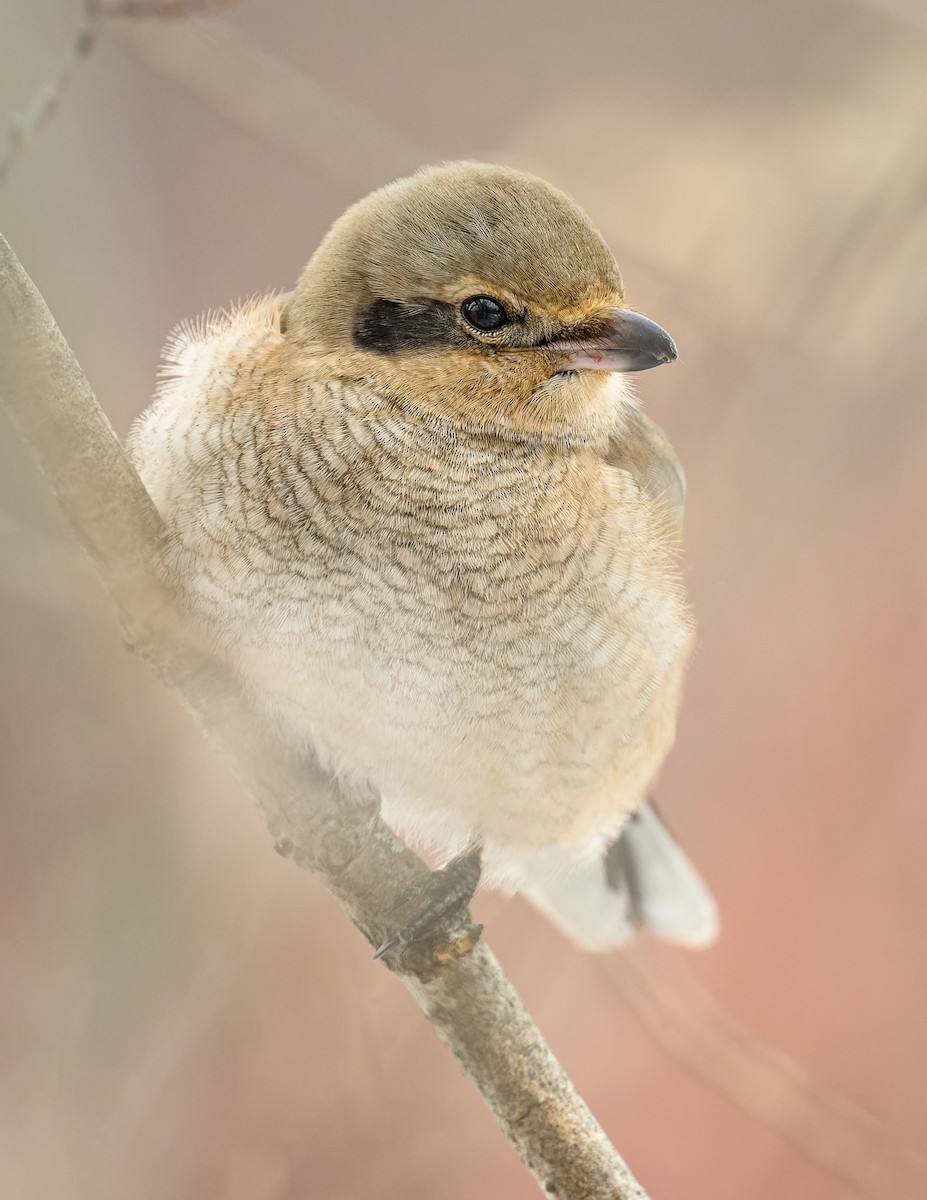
[182, 1013]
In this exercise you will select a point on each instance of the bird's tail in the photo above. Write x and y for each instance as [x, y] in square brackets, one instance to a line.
[645, 879]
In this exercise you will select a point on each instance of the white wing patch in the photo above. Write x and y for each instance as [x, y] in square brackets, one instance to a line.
[667, 894]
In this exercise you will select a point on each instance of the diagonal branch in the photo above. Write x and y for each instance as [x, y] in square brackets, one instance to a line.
[684, 1018]
[337, 835]
[23, 127]
[263, 93]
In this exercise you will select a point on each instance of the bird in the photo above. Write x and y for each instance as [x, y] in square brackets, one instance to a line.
[415, 506]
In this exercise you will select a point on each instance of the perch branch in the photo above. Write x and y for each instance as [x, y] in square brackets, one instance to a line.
[337, 835]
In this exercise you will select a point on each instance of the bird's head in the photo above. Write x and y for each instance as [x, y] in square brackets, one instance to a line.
[477, 293]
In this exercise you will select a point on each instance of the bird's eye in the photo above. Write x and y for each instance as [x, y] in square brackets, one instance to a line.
[484, 313]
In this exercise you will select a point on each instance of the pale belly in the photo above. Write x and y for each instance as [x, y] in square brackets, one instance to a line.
[493, 636]
[517, 729]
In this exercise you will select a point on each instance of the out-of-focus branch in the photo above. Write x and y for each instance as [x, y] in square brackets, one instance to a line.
[154, 8]
[261, 92]
[323, 828]
[23, 127]
[913, 11]
[687, 1021]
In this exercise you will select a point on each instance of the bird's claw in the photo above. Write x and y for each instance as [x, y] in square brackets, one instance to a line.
[432, 912]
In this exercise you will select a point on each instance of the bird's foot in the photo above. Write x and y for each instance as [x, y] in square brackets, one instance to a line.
[432, 918]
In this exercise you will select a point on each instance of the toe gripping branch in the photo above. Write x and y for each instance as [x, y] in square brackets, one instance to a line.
[434, 912]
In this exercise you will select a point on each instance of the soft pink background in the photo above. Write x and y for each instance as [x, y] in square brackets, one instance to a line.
[183, 1014]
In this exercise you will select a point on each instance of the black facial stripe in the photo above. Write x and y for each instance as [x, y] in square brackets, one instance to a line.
[388, 327]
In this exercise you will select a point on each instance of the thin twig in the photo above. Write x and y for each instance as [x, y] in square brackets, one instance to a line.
[154, 8]
[23, 127]
[337, 835]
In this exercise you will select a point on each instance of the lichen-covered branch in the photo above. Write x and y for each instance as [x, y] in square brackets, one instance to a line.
[337, 835]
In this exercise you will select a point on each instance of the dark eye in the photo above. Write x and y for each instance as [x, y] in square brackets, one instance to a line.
[484, 313]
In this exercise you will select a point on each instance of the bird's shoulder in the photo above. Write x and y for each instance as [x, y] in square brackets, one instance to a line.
[642, 450]
[204, 364]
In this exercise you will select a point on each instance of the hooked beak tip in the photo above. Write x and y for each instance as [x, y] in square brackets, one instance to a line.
[628, 341]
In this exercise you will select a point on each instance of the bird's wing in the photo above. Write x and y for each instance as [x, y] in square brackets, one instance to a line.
[644, 451]
[669, 895]
[645, 879]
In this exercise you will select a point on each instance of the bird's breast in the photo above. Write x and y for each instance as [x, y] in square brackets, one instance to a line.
[479, 627]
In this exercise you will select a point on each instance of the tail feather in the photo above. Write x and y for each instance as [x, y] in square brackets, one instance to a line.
[646, 879]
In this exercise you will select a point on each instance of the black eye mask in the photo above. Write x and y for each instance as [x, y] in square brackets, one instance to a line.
[389, 327]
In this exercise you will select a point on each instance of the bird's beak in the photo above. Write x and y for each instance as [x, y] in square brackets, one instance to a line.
[626, 342]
